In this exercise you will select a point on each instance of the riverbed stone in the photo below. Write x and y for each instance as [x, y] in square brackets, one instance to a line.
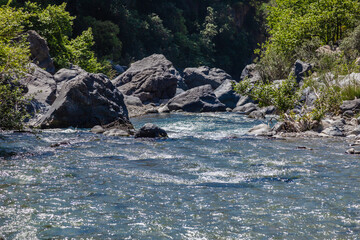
[150, 130]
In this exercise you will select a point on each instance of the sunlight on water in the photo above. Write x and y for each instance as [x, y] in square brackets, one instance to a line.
[209, 180]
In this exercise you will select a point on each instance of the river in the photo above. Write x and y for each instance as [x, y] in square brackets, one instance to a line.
[209, 180]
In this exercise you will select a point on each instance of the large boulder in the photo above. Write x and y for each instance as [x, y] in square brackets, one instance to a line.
[251, 73]
[86, 101]
[150, 79]
[226, 94]
[196, 77]
[40, 51]
[301, 70]
[150, 130]
[199, 99]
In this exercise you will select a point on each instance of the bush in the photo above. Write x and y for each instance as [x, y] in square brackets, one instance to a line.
[283, 96]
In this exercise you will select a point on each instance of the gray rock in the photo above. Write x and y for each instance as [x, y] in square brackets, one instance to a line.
[250, 72]
[352, 151]
[196, 77]
[150, 79]
[66, 74]
[40, 51]
[257, 115]
[355, 131]
[348, 80]
[270, 110]
[244, 100]
[334, 131]
[352, 105]
[260, 130]
[226, 94]
[301, 70]
[150, 130]
[86, 101]
[348, 114]
[97, 129]
[132, 101]
[308, 97]
[164, 109]
[199, 99]
[41, 85]
[246, 109]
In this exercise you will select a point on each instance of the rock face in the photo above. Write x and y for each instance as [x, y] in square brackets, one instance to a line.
[64, 75]
[40, 85]
[150, 130]
[86, 101]
[40, 51]
[195, 77]
[150, 79]
[301, 69]
[250, 72]
[199, 99]
[226, 94]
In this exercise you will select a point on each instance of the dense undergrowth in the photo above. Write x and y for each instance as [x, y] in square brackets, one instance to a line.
[298, 30]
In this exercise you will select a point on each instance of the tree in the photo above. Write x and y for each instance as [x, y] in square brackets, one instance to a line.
[14, 59]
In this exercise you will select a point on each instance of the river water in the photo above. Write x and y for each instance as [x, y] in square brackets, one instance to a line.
[209, 180]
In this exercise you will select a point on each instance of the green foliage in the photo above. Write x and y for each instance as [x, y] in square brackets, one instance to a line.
[293, 22]
[14, 57]
[283, 96]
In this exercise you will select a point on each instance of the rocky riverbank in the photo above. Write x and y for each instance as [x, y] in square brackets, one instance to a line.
[75, 98]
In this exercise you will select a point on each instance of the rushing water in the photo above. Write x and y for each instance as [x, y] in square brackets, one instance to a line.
[207, 181]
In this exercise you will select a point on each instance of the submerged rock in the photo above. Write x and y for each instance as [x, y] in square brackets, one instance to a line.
[199, 99]
[196, 77]
[150, 130]
[150, 79]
